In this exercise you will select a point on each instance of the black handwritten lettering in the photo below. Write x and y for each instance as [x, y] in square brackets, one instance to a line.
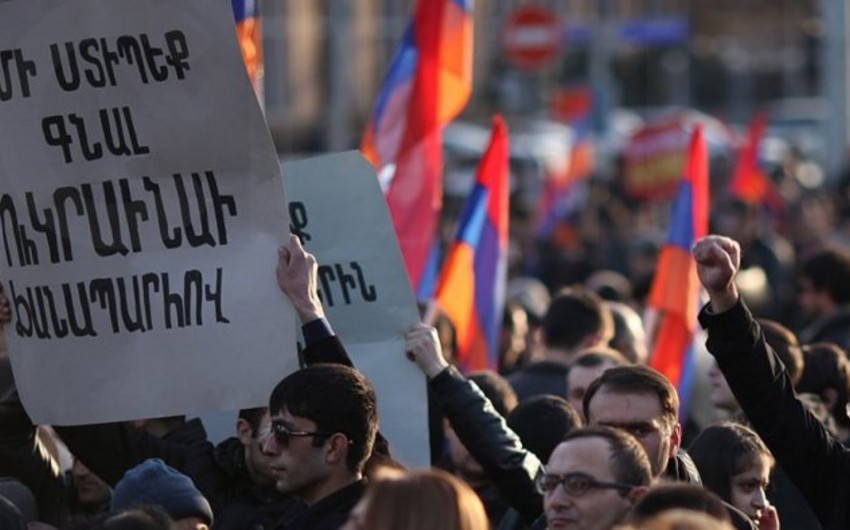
[95, 60]
[337, 278]
[298, 220]
[111, 215]
[115, 128]
[14, 67]
[128, 304]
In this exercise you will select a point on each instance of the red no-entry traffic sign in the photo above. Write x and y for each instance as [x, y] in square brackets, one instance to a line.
[532, 37]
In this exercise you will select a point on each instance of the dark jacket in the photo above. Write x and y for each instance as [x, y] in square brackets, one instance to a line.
[816, 462]
[487, 437]
[834, 328]
[329, 513]
[542, 377]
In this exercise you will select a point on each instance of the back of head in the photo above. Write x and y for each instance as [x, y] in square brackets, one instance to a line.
[577, 318]
[629, 333]
[541, 422]
[784, 342]
[636, 379]
[338, 399]
[497, 389]
[629, 463]
[597, 356]
[829, 270]
[722, 451]
[678, 519]
[670, 496]
[154, 483]
[827, 374]
[423, 500]
[532, 295]
[610, 285]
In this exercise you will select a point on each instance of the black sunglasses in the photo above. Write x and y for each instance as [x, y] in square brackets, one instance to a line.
[282, 434]
[577, 484]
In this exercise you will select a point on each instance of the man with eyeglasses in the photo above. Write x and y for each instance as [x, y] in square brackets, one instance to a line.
[593, 478]
[324, 422]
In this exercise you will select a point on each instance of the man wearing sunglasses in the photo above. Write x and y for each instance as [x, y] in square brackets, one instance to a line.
[593, 478]
[324, 422]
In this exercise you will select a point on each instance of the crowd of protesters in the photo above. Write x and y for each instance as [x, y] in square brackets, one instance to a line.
[573, 430]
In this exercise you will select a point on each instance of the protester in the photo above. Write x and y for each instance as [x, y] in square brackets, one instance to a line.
[594, 477]
[586, 368]
[422, 500]
[576, 319]
[324, 421]
[642, 402]
[153, 483]
[735, 464]
[678, 519]
[827, 375]
[824, 297]
[816, 462]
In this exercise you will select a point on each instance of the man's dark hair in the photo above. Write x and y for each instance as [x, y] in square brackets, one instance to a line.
[497, 389]
[636, 379]
[254, 417]
[593, 357]
[784, 342]
[673, 495]
[829, 270]
[575, 314]
[140, 518]
[629, 463]
[338, 399]
[542, 421]
[826, 367]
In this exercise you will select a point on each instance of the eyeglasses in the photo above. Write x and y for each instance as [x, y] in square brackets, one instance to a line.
[282, 433]
[577, 484]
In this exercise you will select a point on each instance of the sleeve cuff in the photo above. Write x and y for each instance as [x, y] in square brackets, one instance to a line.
[726, 325]
[316, 330]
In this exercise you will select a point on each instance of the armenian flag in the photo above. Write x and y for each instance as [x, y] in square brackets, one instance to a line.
[471, 289]
[427, 85]
[749, 183]
[674, 295]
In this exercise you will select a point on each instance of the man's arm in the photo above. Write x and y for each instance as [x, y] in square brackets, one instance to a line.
[800, 443]
[297, 277]
[479, 427]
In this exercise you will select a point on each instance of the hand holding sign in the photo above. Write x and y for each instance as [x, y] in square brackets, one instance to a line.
[297, 277]
[422, 346]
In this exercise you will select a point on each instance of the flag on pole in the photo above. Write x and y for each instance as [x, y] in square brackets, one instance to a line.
[471, 289]
[561, 196]
[427, 85]
[749, 183]
[247, 16]
[674, 295]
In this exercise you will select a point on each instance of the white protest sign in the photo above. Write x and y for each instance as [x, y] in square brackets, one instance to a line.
[336, 207]
[141, 210]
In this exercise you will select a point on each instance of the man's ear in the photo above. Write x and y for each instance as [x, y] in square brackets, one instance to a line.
[675, 439]
[244, 432]
[635, 494]
[336, 448]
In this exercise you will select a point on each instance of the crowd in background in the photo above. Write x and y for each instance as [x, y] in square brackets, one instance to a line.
[572, 430]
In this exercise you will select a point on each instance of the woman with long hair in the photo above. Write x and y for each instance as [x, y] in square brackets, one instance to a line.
[735, 464]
